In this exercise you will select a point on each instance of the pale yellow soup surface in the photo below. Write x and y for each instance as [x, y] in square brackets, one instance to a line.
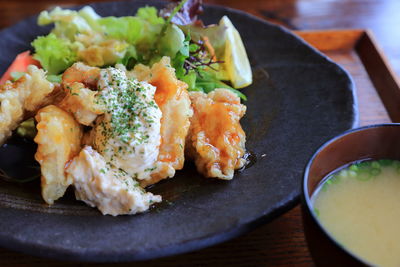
[362, 212]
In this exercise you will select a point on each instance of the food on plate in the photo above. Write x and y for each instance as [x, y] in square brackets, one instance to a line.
[121, 102]
[109, 189]
[79, 100]
[27, 94]
[359, 206]
[59, 140]
[217, 143]
[173, 100]
[128, 134]
[20, 64]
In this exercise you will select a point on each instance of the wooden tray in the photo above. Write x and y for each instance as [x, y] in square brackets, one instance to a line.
[378, 89]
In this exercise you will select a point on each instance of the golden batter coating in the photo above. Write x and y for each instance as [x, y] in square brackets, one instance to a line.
[59, 140]
[80, 100]
[173, 100]
[109, 189]
[216, 140]
[25, 96]
[81, 73]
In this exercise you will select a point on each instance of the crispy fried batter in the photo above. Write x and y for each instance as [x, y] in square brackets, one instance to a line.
[173, 99]
[59, 140]
[54, 98]
[21, 98]
[80, 100]
[11, 113]
[109, 189]
[216, 140]
[81, 103]
[81, 73]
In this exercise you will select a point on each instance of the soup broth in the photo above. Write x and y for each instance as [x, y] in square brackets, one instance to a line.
[360, 207]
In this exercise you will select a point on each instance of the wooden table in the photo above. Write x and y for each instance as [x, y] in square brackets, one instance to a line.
[281, 242]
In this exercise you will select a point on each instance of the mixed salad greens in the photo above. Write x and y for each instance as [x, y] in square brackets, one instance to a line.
[205, 57]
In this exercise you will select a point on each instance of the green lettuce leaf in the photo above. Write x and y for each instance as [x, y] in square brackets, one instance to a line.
[147, 36]
[172, 42]
[149, 14]
[124, 28]
[130, 59]
[68, 23]
[54, 78]
[216, 35]
[142, 31]
[91, 17]
[54, 54]
[206, 81]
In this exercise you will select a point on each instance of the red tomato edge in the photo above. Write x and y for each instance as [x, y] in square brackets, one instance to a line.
[20, 63]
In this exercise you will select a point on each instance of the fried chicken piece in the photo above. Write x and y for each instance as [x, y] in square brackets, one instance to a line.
[59, 140]
[25, 96]
[103, 186]
[81, 103]
[80, 100]
[81, 73]
[216, 141]
[173, 99]
[11, 113]
[54, 98]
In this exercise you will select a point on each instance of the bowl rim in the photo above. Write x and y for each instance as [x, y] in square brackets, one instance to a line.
[306, 200]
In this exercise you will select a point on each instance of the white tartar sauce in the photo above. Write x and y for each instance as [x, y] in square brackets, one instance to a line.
[128, 134]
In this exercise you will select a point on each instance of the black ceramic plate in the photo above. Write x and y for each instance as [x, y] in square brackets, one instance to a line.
[298, 100]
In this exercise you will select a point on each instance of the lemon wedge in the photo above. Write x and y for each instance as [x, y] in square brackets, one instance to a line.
[236, 63]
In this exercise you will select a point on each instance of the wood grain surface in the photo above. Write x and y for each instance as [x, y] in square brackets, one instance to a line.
[281, 242]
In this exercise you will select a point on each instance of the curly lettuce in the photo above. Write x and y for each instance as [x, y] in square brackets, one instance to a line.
[54, 54]
[85, 36]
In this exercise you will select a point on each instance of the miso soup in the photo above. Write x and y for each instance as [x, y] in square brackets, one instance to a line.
[360, 207]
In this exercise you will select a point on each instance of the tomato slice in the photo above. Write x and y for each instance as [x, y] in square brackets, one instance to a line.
[20, 63]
